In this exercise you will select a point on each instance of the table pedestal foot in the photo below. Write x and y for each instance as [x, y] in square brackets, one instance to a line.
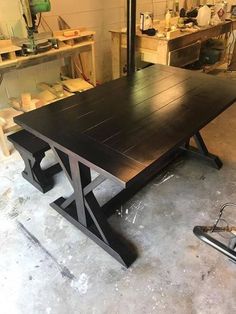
[201, 151]
[116, 248]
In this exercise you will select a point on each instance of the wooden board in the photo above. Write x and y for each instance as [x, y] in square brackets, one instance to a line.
[11, 48]
[7, 125]
[76, 85]
[7, 50]
[59, 35]
[8, 53]
[8, 114]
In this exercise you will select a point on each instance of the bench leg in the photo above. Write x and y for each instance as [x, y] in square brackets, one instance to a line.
[33, 173]
[83, 210]
[201, 151]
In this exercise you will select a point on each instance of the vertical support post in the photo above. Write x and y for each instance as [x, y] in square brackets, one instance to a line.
[116, 55]
[131, 34]
[94, 81]
[3, 143]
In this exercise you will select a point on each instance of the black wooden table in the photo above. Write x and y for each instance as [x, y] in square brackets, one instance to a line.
[126, 130]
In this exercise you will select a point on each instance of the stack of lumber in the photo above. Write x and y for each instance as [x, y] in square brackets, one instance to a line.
[7, 125]
[48, 94]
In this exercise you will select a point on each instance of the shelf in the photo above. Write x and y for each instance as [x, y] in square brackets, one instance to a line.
[53, 54]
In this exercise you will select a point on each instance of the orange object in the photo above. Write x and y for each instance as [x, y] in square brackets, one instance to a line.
[71, 33]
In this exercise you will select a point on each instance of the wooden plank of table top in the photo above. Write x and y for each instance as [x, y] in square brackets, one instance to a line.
[101, 158]
[81, 117]
[177, 122]
[109, 131]
[83, 102]
[128, 131]
[120, 98]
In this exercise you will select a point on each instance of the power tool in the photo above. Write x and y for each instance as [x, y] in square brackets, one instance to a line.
[30, 10]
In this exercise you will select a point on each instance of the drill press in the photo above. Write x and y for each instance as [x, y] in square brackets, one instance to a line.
[30, 10]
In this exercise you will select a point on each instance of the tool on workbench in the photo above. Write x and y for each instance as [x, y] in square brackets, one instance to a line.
[146, 24]
[146, 21]
[30, 10]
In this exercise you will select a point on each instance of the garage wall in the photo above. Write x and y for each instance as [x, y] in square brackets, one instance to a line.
[100, 16]
[97, 15]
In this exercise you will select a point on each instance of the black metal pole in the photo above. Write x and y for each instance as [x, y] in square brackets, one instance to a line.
[131, 34]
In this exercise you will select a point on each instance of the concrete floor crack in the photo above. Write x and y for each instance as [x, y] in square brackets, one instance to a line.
[65, 272]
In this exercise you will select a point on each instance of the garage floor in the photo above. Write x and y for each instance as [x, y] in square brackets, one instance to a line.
[48, 266]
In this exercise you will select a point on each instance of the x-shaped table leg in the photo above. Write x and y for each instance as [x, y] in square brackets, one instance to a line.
[83, 210]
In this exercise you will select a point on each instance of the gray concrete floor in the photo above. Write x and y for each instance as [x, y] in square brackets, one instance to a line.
[48, 266]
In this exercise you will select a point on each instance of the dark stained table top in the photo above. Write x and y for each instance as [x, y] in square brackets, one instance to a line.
[124, 126]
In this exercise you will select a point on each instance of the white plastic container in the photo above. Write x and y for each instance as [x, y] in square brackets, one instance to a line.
[204, 16]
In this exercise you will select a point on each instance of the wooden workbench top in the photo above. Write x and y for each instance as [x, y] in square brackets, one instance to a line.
[224, 27]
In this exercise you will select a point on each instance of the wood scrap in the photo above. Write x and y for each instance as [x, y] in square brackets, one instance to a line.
[76, 85]
[3, 143]
[46, 96]
[18, 105]
[7, 125]
[15, 103]
[7, 115]
[78, 67]
[8, 50]
[45, 86]
[26, 101]
[55, 89]
[71, 33]
[80, 35]
[2, 122]
[62, 23]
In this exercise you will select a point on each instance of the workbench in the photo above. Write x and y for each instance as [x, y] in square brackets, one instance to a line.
[126, 130]
[182, 49]
[22, 62]
[64, 51]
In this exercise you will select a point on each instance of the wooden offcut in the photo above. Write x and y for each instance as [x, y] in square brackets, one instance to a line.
[76, 85]
[8, 50]
[79, 36]
[7, 125]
